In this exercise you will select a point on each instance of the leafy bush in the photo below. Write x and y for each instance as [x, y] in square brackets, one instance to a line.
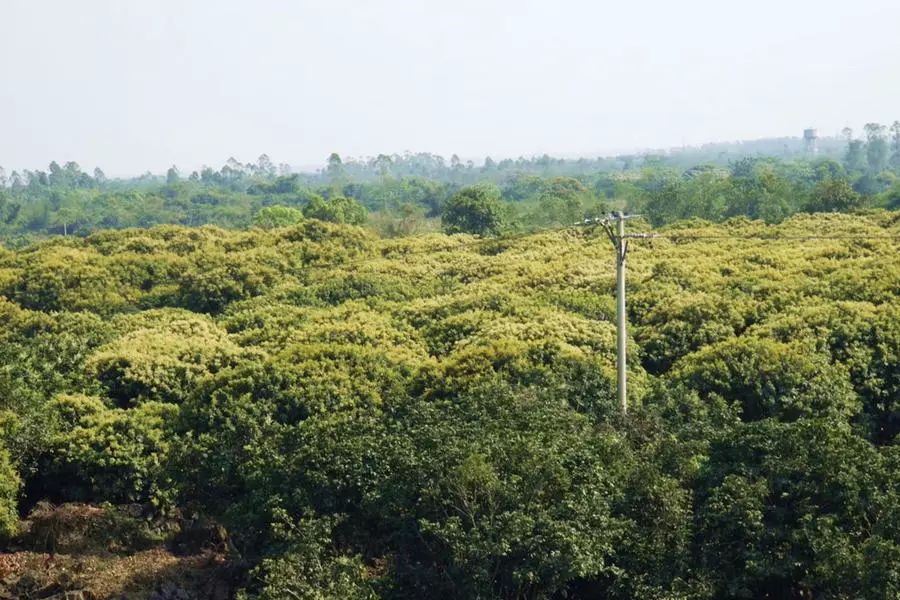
[9, 496]
[497, 474]
[161, 360]
[799, 504]
[770, 379]
[112, 454]
[308, 568]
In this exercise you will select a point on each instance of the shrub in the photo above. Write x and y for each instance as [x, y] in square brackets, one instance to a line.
[309, 568]
[111, 454]
[9, 494]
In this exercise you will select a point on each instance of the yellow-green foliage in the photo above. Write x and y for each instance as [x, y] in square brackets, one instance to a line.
[10, 481]
[515, 308]
[160, 355]
[110, 453]
[9, 492]
[453, 397]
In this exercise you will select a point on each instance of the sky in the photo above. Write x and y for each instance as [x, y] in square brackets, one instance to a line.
[138, 85]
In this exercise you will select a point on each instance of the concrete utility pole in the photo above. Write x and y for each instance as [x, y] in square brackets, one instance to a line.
[618, 238]
[621, 334]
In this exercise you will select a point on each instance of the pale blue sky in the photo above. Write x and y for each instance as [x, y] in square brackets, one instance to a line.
[134, 85]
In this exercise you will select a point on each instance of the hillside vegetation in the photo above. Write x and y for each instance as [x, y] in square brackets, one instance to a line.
[434, 415]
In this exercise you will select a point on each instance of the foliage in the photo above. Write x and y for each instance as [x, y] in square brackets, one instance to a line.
[769, 379]
[471, 463]
[110, 454]
[338, 209]
[9, 495]
[161, 360]
[434, 415]
[799, 506]
[277, 216]
[308, 570]
[399, 195]
[835, 195]
[473, 210]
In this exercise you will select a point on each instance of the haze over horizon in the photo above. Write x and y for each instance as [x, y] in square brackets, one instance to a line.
[139, 85]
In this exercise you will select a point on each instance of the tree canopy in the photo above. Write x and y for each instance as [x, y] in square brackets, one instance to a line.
[435, 414]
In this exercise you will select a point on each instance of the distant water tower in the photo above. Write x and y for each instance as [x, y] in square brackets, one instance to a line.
[810, 136]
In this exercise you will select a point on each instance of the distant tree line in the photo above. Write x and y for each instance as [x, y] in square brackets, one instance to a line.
[405, 194]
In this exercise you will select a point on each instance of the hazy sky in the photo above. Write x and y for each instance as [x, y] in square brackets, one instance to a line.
[137, 85]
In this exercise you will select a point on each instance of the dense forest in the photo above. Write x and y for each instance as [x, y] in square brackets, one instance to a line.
[396, 377]
[434, 416]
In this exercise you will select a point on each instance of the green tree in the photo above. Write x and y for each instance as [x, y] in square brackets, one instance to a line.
[265, 167]
[855, 158]
[564, 201]
[891, 198]
[835, 195]
[335, 169]
[895, 146]
[309, 568]
[491, 494]
[337, 209]
[826, 168]
[65, 216]
[770, 379]
[473, 210]
[877, 150]
[759, 191]
[665, 203]
[277, 216]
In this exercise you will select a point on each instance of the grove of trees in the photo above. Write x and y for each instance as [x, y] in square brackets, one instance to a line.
[434, 415]
[407, 194]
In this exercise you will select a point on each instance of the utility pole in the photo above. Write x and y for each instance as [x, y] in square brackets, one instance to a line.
[621, 334]
[620, 243]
